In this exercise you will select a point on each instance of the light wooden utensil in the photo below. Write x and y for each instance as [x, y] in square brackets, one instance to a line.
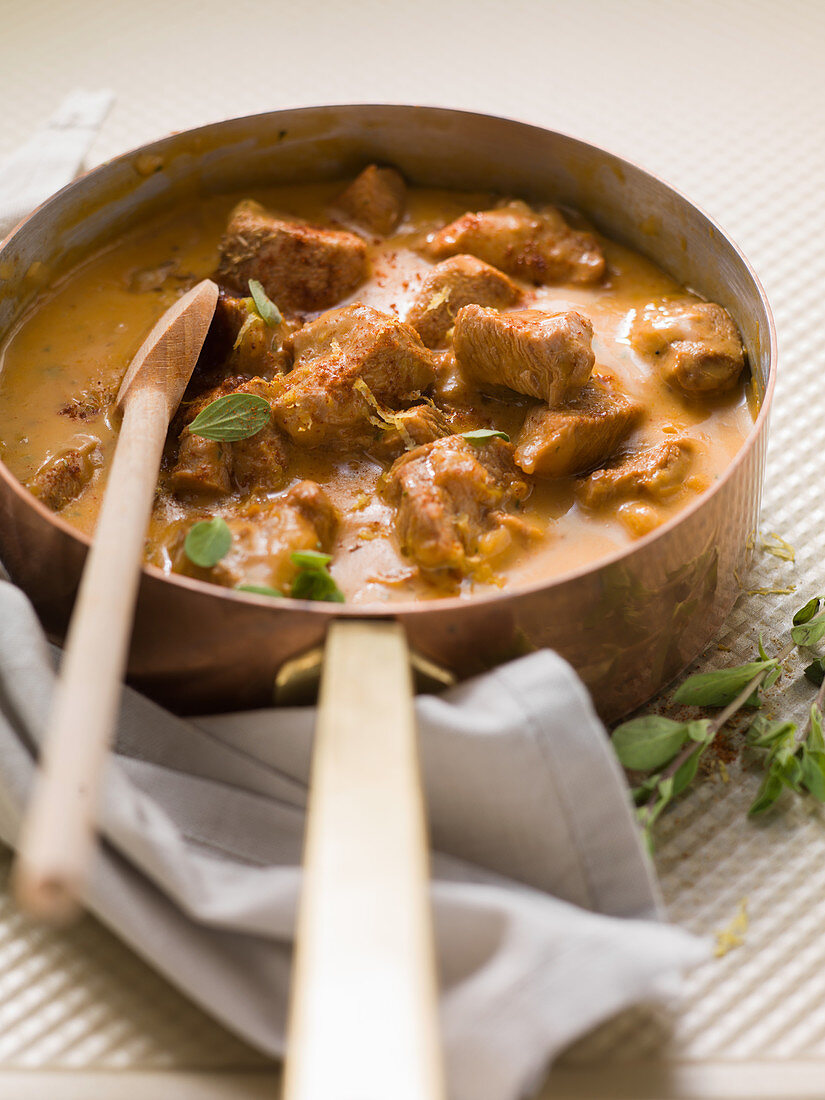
[57, 837]
[364, 1012]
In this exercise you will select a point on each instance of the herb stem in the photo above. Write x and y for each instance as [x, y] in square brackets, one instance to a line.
[721, 719]
[747, 691]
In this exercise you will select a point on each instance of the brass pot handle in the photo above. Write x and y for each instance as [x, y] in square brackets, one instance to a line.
[363, 1015]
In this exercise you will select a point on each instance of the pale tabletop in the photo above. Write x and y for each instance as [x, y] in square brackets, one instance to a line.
[723, 99]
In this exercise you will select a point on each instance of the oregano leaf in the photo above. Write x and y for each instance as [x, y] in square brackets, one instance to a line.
[207, 542]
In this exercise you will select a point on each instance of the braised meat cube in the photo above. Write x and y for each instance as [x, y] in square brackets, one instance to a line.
[375, 200]
[300, 266]
[259, 463]
[655, 473]
[457, 282]
[263, 542]
[585, 432]
[203, 467]
[539, 247]
[544, 355]
[212, 468]
[452, 388]
[411, 428]
[348, 364]
[239, 343]
[64, 476]
[694, 345]
[450, 497]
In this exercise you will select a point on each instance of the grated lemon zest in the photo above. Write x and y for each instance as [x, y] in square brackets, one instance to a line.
[734, 934]
[779, 547]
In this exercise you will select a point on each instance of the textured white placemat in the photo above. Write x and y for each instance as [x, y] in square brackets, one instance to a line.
[725, 99]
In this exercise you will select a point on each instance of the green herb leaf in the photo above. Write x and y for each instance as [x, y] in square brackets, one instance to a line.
[234, 416]
[806, 613]
[314, 582]
[649, 814]
[644, 744]
[809, 633]
[258, 589]
[789, 771]
[686, 772]
[770, 790]
[812, 768]
[816, 738]
[815, 671]
[763, 734]
[700, 731]
[768, 683]
[207, 542]
[264, 306]
[484, 435]
[717, 689]
[310, 559]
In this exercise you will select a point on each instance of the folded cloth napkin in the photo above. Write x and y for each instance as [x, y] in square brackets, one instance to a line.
[546, 912]
[545, 908]
[51, 157]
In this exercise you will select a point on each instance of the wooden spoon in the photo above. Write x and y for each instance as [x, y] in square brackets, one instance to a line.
[57, 837]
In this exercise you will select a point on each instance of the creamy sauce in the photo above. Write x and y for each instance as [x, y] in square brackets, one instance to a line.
[86, 329]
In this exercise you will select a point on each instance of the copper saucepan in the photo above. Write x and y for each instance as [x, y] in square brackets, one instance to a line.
[628, 623]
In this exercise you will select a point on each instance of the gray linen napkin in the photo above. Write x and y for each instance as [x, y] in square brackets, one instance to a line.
[546, 912]
[52, 155]
[545, 908]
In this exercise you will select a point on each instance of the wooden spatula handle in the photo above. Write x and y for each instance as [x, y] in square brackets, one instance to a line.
[363, 1017]
[54, 848]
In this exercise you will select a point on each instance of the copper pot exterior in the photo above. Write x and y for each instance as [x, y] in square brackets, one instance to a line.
[628, 623]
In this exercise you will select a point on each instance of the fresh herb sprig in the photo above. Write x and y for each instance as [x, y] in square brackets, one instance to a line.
[670, 751]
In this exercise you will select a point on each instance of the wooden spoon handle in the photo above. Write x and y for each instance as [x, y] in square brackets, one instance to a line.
[364, 1017]
[57, 836]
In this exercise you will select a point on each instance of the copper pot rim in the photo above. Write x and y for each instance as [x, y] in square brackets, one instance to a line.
[455, 604]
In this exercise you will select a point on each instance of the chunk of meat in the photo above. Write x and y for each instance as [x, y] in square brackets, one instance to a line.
[64, 476]
[694, 345]
[544, 355]
[346, 363]
[412, 428]
[239, 343]
[539, 247]
[457, 282]
[300, 266]
[202, 469]
[451, 386]
[263, 542]
[260, 463]
[585, 432]
[450, 497]
[375, 200]
[655, 473]
[212, 468]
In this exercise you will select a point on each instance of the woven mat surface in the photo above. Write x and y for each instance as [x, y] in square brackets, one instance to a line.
[725, 99]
